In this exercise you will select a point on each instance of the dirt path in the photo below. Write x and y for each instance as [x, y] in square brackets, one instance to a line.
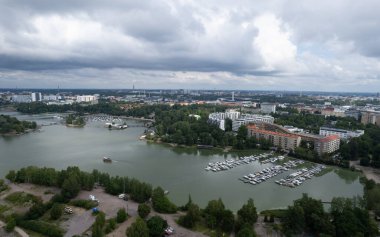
[369, 172]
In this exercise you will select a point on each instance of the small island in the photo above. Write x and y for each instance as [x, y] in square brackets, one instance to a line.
[75, 121]
[12, 126]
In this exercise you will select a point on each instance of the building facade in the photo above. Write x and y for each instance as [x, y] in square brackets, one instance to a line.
[86, 98]
[282, 140]
[327, 144]
[372, 117]
[36, 96]
[343, 134]
[267, 108]
[246, 119]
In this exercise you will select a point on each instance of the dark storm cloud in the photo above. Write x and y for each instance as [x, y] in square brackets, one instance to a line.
[282, 41]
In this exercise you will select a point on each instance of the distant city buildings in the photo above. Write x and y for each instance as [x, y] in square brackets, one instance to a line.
[267, 108]
[86, 98]
[36, 96]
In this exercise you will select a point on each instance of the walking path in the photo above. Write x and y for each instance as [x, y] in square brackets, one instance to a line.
[369, 172]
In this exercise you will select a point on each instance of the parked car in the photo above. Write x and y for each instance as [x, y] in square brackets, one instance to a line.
[68, 210]
[169, 230]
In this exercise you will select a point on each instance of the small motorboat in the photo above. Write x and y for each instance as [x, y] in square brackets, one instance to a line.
[107, 159]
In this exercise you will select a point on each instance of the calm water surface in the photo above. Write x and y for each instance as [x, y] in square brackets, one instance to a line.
[179, 170]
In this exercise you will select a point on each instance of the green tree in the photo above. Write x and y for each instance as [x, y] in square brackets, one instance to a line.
[156, 226]
[143, 210]
[161, 203]
[56, 211]
[192, 216]
[246, 232]
[138, 229]
[247, 213]
[121, 215]
[294, 220]
[70, 187]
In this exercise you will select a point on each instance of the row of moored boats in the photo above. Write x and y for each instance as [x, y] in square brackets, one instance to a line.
[231, 163]
[299, 177]
[267, 173]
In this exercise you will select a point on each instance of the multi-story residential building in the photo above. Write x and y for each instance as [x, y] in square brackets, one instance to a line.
[352, 113]
[36, 96]
[327, 144]
[50, 97]
[219, 118]
[250, 118]
[285, 141]
[343, 134]
[372, 117]
[330, 111]
[86, 98]
[22, 98]
[267, 108]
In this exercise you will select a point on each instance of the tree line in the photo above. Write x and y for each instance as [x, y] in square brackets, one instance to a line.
[10, 124]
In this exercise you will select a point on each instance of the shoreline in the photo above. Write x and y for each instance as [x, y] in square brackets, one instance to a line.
[15, 134]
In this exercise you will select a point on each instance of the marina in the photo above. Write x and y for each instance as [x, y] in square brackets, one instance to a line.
[267, 173]
[231, 163]
[299, 177]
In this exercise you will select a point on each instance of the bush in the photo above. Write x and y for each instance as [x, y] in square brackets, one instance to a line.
[156, 226]
[56, 211]
[111, 225]
[20, 198]
[121, 215]
[86, 204]
[42, 228]
[11, 224]
[59, 198]
[161, 203]
[143, 210]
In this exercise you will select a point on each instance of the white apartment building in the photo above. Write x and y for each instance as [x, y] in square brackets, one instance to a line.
[267, 108]
[36, 96]
[86, 98]
[50, 97]
[21, 98]
[343, 134]
[246, 119]
[218, 118]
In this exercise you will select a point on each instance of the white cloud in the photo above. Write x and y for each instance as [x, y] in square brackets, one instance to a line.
[273, 43]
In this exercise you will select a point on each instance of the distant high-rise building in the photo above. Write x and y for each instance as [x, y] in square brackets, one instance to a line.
[36, 96]
[233, 96]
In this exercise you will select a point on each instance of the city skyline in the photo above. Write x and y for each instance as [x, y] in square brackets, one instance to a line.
[292, 46]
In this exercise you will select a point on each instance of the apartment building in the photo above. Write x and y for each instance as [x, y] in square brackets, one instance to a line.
[372, 117]
[327, 144]
[246, 119]
[285, 141]
[267, 108]
[343, 134]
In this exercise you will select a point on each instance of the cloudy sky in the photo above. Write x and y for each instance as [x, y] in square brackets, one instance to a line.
[323, 45]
